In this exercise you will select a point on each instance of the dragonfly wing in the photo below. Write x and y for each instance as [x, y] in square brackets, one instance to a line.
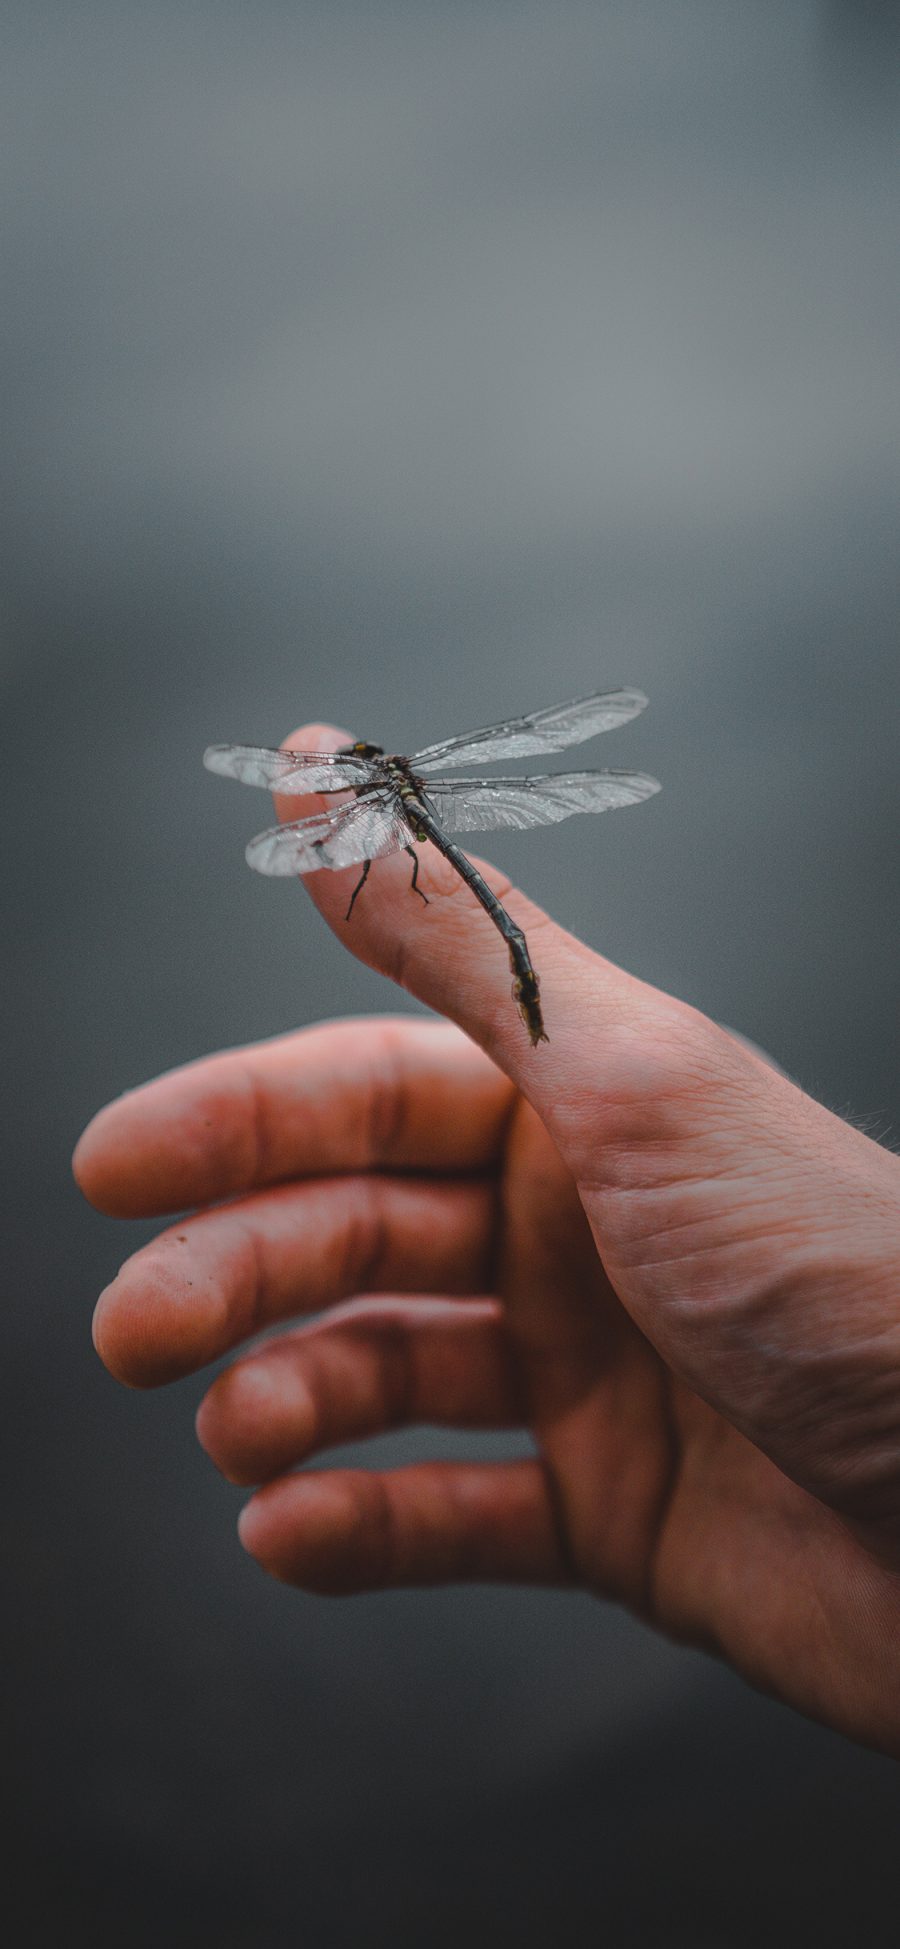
[288, 771]
[551, 730]
[364, 829]
[485, 804]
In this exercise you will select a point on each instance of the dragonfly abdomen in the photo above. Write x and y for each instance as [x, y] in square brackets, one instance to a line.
[526, 987]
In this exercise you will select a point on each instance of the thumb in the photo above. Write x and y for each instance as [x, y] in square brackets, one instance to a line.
[525, 990]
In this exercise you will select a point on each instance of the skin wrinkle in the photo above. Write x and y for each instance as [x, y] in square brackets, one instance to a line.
[514, 1380]
[366, 1246]
[706, 1293]
[386, 1112]
[312, 1388]
[741, 1222]
[763, 1413]
[752, 1316]
[397, 1374]
[654, 1491]
[366, 1238]
[253, 1316]
[258, 1130]
[637, 1123]
[696, 1162]
[226, 1170]
[263, 1138]
[696, 1607]
[372, 1513]
[845, 1474]
[668, 1491]
[665, 1165]
[385, 1527]
[874, 1495]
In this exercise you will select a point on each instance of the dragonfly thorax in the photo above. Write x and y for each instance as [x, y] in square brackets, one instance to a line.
[401, 775]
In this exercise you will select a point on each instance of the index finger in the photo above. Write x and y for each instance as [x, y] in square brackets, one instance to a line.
[386, 1093]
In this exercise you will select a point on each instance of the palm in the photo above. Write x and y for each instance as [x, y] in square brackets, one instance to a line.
[658, 1500]
[596, 1391]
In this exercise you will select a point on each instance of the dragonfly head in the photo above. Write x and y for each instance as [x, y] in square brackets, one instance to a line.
[362, 750]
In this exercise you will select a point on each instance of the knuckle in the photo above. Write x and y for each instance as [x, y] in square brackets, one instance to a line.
[387, 1104]
[367, 1238]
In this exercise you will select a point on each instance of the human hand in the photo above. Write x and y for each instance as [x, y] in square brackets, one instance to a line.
[639, 1242]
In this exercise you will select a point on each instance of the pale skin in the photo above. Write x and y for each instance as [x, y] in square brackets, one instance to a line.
[639, 1241]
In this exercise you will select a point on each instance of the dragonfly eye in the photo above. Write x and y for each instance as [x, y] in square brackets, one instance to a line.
[363, 750]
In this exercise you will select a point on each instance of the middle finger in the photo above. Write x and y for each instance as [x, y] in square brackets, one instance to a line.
[210, 1282]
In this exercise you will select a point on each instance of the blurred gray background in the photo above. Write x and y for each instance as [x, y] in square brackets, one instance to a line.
[415, 366]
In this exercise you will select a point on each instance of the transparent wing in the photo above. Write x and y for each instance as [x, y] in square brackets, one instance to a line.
[288, 771]
[485, 804]
[551, 730]
[364, 829]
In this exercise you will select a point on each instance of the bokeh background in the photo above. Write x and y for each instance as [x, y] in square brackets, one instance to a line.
[416, 365]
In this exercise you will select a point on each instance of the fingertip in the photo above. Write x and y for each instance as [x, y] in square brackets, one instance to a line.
[204, 1424]
[154, 1323]
[86, 1162]
[254, 1528]
[240, 1420]
[247, 1527]
[295, 1528]
[105, 1167]
[308, 737]
[316, 737]
[119, 1361]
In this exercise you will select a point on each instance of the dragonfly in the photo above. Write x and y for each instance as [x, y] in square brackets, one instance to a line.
[394, 801]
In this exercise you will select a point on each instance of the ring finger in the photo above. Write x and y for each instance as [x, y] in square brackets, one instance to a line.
[370, 1366]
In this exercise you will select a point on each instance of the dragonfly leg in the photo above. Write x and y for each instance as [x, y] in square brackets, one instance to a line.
[415, 878]
[358, 887]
